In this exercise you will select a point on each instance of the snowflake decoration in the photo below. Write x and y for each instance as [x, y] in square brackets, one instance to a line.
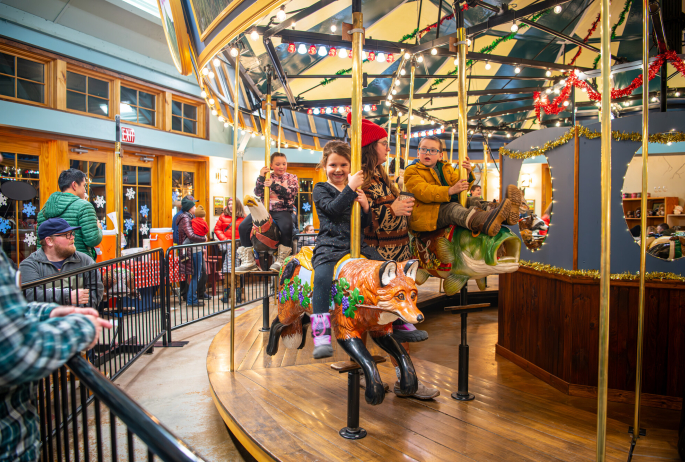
[144, 210]
[29, 210]
[3, 199]
[30, 239]
[128, 224]
[99, 201]
[4, 225]
[307, 207]
[174, 196]
[144, 229]
[131, 194]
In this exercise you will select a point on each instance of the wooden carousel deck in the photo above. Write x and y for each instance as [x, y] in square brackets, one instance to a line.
[290, 407]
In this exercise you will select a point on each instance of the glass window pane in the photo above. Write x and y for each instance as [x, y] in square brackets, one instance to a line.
[98, 106]
[6, 86]
[30, 70]
[176, 108]
[176, 124]
[27, 166]
[189, 112]
[188, 180]
[129, 209]
[129, 96]
[128, 112]
[9, 237]
[30, 91]
[6, 64]
[76, 82]
[144, 198]
[27, 224]
[7, 165]
[145, 116]
[76, 101]
[94, 192]
[78, 165]
[145, 175]
[146, 100]
[98, 87]
[190, 126]
[128, 174]
[98, 172]
[176, 178]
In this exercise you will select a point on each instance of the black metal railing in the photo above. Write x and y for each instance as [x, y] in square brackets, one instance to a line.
[303, 240]
[129, 291]
[74, 425]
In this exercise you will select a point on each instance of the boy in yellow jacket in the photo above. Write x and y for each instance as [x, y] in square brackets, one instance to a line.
[436, 187]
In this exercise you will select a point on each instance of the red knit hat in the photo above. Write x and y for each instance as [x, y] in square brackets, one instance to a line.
[370, 131]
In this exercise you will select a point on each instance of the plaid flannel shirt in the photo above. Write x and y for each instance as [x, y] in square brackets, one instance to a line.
[32, 346]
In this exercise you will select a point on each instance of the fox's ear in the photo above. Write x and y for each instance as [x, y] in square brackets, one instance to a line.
[410, 268]
[387, 272]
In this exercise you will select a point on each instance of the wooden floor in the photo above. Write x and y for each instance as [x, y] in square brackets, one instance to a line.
[290, 407]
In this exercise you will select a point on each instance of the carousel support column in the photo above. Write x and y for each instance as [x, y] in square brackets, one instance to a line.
[484, 172]
[268, 107]
[605, 234]
[398, 147]
[118, 188]
[635, 429]
[234, 175]
[357, 32]
[462, 99]
[576, 192]
[280, 113]
[410, 114]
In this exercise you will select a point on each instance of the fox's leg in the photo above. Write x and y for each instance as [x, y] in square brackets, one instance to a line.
[409, 383]
[375, 391]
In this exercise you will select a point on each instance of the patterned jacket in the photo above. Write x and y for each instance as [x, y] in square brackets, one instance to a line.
[185, 231]
[283, 191]
[33, 345]
[388, 233]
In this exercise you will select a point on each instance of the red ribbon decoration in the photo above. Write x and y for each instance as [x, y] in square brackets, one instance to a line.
[590, 31]
[433, 26]
[557, 105]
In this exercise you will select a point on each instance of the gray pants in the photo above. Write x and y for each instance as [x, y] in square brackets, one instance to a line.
[452, 213]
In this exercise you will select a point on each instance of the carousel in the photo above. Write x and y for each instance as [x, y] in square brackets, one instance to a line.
[561, 114]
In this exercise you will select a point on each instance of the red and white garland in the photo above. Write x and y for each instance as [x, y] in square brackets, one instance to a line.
[557, 105]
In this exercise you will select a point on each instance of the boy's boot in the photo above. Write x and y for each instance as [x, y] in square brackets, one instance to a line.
[283, 253]
[321, 333]
[423, 392]
[515, 196]
[480, 221]
[247, 261]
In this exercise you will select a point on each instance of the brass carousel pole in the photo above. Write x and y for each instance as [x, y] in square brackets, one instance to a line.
[452, 146]
[118, 185]
[279, 130]
[387, 160]
[461, 100]
[410, 113]
[643, 222]
[267, 137]
[484, 172]
[357, 32]
[398, 146]
[605, 258]
[234, 170]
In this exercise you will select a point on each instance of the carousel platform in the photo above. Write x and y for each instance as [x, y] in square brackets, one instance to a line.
[290, 407]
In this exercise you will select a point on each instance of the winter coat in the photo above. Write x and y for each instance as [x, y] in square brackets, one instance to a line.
[222, 229]
[428, 190]
[37, 266]
[77, 212]
[185, 231]
[283, 191]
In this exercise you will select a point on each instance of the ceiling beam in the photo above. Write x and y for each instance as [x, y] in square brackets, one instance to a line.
[247, 80]
[417, 76]
[293, 19]
[271, 51]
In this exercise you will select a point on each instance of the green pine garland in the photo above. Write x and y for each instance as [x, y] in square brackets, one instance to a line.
[621, 19]
[325, 82]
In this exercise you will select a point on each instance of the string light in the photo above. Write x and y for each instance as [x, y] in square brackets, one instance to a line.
[517, 70]
[380, 56]
[280, 15]
[205, 71]
[216, 62]
[397, 83]
[487, 66]
[234, 52]
[407, 55]
[514, 27]
[456, 61]
[226, 124]
[203, 94]
[302, 49]
[548, 73]
[323, 51]
[342, 53]
[557, 9]
[211, 101]
[211, 75]
[333, 28]
[419, 59]
[402, 72]
[214, 112]
[254, 35]
[434, 51]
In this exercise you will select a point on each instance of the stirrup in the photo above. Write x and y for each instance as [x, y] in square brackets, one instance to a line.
[475, 235]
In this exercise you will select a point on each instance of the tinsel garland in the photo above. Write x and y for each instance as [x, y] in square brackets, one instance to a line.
[590, 31]
[621, 19]
[556, 106]
[594, 274]
[490, 48]
[661, 138]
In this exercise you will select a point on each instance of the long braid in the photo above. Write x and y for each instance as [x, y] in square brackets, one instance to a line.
[370, 167]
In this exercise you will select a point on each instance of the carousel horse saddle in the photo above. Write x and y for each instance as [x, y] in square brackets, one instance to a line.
[427, 249]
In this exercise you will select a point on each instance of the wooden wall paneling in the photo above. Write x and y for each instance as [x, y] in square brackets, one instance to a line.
[676, 349]
[614, 347]
[59, 84]
[53, 159]
[164, 203]
[580, 323]
[632, 295]
[662, 357]
[568, 314]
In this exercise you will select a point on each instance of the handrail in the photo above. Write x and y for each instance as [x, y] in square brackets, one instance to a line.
[159, 439]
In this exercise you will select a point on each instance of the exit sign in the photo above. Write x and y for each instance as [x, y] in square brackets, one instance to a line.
[128, 135]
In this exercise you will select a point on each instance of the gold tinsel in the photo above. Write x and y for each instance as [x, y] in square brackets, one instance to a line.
[594, 274]
[662, 138]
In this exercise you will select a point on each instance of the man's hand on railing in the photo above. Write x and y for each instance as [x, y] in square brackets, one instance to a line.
[99, 324]
[90, 314]
[80, 296]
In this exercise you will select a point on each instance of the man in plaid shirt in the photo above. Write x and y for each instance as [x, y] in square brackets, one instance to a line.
[35, 340]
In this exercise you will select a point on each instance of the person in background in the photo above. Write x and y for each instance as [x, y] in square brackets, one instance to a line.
[308, 240]
[183, 285]
[222, 229]
[201, 228]
[70, 203]
[476, 191]
[190, 259]
[57, 254]
[661, 228]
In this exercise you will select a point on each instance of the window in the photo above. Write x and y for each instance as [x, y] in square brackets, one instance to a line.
[87, 94]
[305, 205]
[137, 204]
[182, 184]
[183, 117]
[96, 188]
[137, 106]
[21, 78]
[18, 218]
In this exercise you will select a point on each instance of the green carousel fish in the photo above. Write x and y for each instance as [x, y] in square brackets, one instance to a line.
[456, 255]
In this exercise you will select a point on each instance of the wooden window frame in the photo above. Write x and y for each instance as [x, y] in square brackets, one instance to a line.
[96, 75]
[134, 161]
[47, 75]
[159, 99]
[201, 115]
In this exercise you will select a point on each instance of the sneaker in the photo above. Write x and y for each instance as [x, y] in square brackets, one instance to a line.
[423, 392]
[515, 196]
[408, 333]
[489, 223]
[321, 333]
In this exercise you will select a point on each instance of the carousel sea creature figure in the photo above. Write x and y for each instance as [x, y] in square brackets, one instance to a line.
[367, 296]
[456, 255]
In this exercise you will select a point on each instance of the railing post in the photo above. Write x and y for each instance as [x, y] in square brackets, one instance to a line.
[265, 305]
[165, 269]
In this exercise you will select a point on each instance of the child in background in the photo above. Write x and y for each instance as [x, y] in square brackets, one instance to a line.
[333, 200]
[201, 228]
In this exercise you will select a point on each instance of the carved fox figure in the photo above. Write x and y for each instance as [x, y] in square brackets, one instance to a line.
[367, 296]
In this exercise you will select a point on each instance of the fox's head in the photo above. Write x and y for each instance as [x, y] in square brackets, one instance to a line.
[388, 287]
